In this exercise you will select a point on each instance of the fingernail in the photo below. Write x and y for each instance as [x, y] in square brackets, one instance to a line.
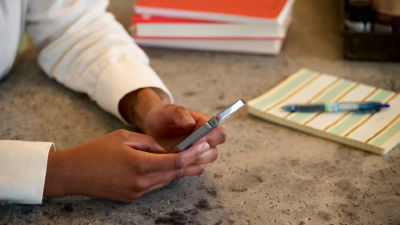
[203, 147]
[188, 119]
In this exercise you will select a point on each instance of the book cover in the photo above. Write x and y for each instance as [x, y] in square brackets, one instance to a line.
[261, 11]
[378, 132]
[148, 26]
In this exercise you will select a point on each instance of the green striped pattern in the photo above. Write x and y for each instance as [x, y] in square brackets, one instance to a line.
[353, 119]
[329, 96]
[387, 135]
[273, 97]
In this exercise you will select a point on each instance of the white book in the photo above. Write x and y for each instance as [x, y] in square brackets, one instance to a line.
[241, 46]
[147, 26]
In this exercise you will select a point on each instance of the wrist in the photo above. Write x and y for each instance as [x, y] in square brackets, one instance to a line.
[147, 99]
[54, 182]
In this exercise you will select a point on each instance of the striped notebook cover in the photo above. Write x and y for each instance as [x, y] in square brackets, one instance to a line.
[378, 133]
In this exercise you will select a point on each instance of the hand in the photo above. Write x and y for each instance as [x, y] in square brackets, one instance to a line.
[120, 166]
[170, 124]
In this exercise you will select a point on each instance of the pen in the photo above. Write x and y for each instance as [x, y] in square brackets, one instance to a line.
[357, 107]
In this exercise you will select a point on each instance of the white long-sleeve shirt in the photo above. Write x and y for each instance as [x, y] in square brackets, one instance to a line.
[81, 46]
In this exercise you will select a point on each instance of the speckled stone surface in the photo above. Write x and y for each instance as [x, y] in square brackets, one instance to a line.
[265, 174]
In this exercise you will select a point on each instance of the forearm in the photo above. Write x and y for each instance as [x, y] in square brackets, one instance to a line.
[135, 105]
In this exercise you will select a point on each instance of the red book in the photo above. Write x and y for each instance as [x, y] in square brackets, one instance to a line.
[245, 11]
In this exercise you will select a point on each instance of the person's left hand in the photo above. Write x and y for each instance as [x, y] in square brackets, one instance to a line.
[169, 124]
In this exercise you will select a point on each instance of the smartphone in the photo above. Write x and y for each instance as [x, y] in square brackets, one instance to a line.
[209, 126]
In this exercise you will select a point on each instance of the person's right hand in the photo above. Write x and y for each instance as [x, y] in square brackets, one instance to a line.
[120, 166]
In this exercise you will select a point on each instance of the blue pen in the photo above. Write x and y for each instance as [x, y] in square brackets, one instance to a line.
[357, 107]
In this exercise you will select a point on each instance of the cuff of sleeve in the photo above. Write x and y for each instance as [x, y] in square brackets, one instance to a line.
[23, 168]
[123, 77]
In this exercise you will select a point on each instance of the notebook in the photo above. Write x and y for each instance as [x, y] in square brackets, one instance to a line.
[249, 11]
[378, 133]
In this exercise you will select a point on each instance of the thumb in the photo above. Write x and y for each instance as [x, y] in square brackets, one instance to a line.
[180, 116]
[147, 144]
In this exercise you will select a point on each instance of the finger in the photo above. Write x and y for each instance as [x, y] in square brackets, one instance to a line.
[208, 156]
[161, 177]
[144, 143]
[177, 115]
[158, 186]
[192, 155]
[158, 179]
[194, 170]
[173, 161]
[182, 117]
[216, 137]
[138, 195]
[155, 187]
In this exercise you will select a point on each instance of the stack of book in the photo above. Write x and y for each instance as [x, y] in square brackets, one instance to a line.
[251, 26]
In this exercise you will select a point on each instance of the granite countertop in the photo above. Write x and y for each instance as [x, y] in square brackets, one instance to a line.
[265, 173]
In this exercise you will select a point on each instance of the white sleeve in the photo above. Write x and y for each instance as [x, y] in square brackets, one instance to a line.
[86, 49]
[23, 167]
